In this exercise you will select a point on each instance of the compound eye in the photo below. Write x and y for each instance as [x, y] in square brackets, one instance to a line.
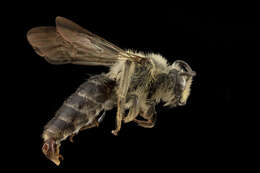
[180, 86]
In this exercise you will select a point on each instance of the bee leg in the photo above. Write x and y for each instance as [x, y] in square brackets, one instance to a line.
[134, 110]
[149, 123]
[95, 122]
[89, 126]
[149, 116]
[119, 117]
[125, 79]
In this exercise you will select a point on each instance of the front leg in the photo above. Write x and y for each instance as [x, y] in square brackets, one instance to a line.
[149, 116]
[148, 123]
[125, 80]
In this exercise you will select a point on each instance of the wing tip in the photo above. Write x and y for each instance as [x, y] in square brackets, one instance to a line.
[63, 24]
[31, 34]
[59, 18]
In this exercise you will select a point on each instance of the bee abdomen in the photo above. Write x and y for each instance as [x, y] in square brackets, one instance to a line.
[65, 122]
[82, 108]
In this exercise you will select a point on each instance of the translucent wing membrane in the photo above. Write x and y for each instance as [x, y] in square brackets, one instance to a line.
[70, 43]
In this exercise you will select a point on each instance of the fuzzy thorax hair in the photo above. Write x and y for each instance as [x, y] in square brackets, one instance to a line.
[144, 77]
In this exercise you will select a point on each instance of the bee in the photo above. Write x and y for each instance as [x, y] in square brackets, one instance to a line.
[135, 83]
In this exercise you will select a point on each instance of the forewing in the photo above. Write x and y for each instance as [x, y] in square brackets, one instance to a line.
[50, 45]
[70, 43]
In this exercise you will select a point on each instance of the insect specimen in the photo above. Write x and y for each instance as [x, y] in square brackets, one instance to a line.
[135, 83]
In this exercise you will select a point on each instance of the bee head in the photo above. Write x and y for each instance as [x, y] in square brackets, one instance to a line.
[182, 74]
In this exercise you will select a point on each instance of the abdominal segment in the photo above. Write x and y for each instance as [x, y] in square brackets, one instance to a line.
[82, 108]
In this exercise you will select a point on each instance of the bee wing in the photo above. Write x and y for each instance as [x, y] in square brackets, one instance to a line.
[70, 43]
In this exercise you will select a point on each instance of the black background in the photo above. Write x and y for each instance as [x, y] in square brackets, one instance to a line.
[203, 133]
